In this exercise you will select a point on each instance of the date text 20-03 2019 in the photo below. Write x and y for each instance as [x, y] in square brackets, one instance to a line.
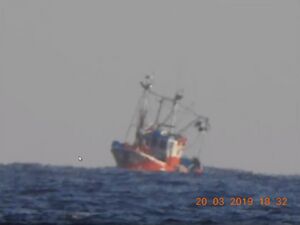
[241, 201]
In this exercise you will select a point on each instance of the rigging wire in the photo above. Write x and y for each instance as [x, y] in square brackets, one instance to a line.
[131, 124]
[199, 141]
[163, 99]
[181, 113]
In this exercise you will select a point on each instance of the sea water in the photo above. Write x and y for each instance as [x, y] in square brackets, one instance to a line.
[37, 194]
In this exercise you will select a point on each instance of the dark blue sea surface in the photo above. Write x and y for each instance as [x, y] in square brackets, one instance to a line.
[37, 194]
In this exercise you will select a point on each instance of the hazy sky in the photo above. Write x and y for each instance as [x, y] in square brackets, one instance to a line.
[69, 73]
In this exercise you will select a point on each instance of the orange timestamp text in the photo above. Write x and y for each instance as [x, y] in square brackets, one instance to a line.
[235, 201]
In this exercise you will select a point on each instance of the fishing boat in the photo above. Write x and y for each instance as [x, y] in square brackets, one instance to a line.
[159, 145]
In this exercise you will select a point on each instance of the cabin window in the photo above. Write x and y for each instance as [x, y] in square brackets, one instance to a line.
[154, 141]
[163, 144]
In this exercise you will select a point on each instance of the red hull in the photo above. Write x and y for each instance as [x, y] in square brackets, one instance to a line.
[137, 160]
[152, 166]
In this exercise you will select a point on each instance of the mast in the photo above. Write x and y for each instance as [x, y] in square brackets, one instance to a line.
[146, 85]
[200, 122]
[172, 114]
[161, 101]
[177, 97]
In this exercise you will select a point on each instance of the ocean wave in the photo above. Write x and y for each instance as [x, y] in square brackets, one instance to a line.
[43, 194]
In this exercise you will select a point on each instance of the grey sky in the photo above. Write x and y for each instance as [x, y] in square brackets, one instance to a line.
[69, 73]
